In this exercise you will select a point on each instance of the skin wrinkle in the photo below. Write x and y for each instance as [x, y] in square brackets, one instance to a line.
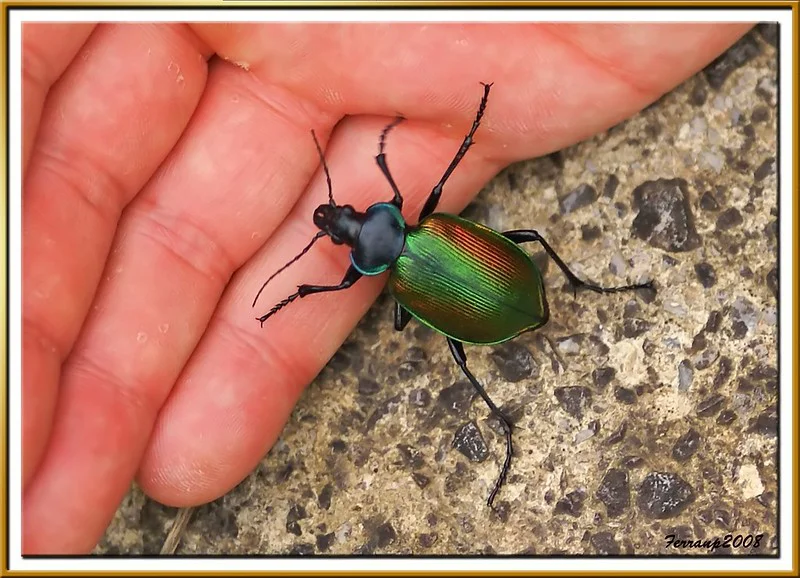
[246, 341]
[108, 207]
[83, 366]
[278, 213]
[61, 340]
[279, 361]
[36, 68]
[312, 114]
[187, 242]
[613, 69]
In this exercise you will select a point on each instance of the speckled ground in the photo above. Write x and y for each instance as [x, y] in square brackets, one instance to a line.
[636, 416]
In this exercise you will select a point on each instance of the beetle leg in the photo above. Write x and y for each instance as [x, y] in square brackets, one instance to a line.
[401, 317]
[457, 349]
[529, 236]
[351, 276]
[381, 160]
[433, 198]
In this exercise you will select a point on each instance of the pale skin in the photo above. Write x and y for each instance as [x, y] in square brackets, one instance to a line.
[169, 169]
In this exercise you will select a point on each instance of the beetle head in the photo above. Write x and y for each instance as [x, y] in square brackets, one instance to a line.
[341, 223]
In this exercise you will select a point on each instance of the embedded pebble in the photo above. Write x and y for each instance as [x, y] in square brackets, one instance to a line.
[729, 219]
[768, 88]
[765, 169]
[750, 481]
[515, 362]
[634, 327]
[605, 544]
[686, 445]
[456, 398]
[685, 375]
[746, 312]
[711, 405]
[469, 441]
[705, 274]
[769, 32]
[664, 495]
[580, 197]
[568, 346]
[614, 492]
[574, 399]
[625, 395]
[367, 386]
[602, 376]
[665, 218]
[571, 504]
[766, 423]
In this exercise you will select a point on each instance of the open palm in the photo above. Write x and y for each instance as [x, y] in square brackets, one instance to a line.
[169, 169]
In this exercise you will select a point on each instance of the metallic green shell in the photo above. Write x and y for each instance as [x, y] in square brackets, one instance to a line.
[467, 281]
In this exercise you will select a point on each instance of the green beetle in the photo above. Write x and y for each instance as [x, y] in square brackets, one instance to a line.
[466, 281]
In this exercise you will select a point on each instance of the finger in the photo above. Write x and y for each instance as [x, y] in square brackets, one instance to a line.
[570, 80]
[242, 382]
[223, 189]
[107, 125]
[47, 49]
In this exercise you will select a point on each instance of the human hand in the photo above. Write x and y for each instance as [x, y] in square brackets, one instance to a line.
[163, 185]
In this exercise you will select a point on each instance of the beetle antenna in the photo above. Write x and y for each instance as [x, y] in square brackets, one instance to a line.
[324, 166]
[295, 258]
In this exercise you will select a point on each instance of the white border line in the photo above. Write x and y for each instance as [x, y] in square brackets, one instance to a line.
[19, 15]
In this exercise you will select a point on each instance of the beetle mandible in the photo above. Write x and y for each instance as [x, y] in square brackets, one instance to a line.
[464, 280]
